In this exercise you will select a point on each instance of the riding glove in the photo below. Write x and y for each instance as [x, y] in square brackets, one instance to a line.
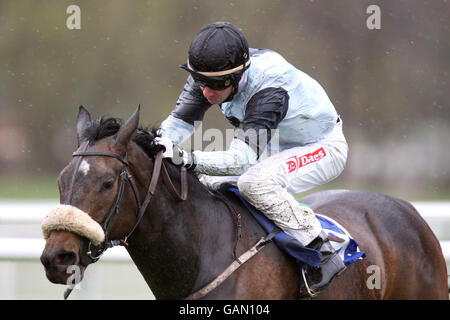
[177, 155]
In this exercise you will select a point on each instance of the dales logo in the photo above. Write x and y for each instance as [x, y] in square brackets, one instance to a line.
[296, 162]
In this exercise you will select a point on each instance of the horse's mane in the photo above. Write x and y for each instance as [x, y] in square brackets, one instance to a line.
[144, 138]
[109, 126]
[101, 128]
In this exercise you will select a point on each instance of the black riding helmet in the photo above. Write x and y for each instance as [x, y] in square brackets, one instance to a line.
[218, 56]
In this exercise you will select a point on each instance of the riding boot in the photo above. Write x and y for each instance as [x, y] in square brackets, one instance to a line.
[330, 265]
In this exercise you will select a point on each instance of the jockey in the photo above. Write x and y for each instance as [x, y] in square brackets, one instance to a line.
[289, 138]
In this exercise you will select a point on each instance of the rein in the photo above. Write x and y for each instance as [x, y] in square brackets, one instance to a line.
[158, 167]
[141, 207]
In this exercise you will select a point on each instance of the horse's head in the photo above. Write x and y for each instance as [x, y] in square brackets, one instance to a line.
[93, 187]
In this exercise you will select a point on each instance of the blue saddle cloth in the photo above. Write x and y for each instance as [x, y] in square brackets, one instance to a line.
[295, 249]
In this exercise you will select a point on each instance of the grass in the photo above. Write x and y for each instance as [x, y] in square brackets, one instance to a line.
[45, 187]
[30, 187]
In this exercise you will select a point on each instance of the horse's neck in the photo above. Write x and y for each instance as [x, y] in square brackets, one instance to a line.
[181, 245]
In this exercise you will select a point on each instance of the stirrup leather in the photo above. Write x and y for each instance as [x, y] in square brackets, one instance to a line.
[312, 293]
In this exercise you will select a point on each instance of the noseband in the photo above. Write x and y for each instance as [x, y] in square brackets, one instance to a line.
[141, 207]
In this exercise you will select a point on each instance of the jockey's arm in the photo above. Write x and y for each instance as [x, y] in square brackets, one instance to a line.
[190, 109]
[264, 111]
[232, 162]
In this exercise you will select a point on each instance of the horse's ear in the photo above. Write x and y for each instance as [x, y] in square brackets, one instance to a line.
[83, 121]
[127, 130]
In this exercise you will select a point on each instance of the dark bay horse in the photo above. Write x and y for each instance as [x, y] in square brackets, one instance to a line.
[181, 246]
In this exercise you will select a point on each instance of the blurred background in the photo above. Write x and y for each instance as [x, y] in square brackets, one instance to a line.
[391, 86]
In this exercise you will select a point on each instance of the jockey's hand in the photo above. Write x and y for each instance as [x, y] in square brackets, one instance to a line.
[177, 155]
[182, 157]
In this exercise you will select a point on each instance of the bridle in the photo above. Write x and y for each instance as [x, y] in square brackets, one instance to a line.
[95, 252]
[142, 207]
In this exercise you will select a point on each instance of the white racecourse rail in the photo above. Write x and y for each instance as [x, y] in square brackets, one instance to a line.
[21, 244]
[30, 214]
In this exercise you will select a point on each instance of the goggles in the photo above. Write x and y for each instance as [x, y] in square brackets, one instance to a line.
[212, 83]
[219, 80]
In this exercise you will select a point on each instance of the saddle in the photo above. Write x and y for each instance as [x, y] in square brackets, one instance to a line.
[339, 237]
[346, 247]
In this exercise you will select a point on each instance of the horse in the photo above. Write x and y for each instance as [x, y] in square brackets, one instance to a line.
[181, 243]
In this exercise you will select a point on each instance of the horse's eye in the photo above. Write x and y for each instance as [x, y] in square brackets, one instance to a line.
[107, 185]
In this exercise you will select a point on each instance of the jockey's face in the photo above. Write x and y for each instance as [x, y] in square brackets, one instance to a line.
[216, 96]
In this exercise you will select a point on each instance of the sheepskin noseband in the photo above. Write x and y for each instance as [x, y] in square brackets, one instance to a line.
[72, 219]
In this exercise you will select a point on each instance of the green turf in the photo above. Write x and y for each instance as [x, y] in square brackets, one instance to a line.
[38, 187]
[45, 187]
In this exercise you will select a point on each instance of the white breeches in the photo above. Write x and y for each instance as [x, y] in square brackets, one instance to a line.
[270, 184]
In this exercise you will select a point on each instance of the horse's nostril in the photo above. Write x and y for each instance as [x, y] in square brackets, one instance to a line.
[59, 258]
[65, 258]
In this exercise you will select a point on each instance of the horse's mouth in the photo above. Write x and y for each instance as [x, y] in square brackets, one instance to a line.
[63, 268]
[57, 275]
[65, 275]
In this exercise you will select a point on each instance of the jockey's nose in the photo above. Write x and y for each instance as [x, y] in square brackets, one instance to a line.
[207, 92]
